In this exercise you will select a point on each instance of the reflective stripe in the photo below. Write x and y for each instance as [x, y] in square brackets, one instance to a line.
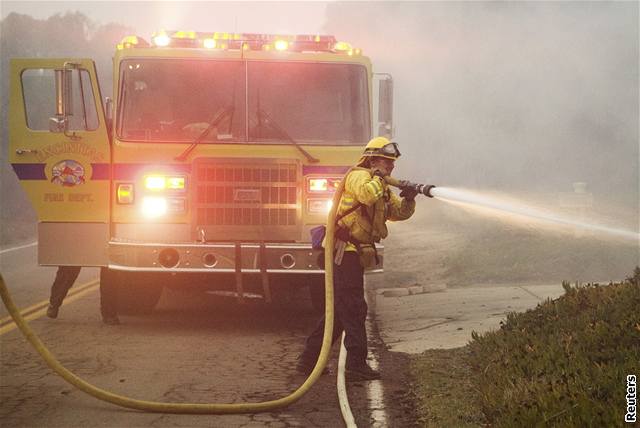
[376, 188]
[29, 171]
[346, 202]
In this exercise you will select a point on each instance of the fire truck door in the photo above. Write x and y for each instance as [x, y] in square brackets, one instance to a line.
[59, 150]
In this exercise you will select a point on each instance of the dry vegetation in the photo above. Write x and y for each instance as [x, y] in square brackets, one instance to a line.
[563, 363]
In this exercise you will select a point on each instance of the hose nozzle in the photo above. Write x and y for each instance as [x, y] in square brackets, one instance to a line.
[426, 189]
[423, 189]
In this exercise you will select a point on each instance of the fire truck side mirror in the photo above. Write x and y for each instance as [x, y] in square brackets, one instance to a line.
[385, 107]
[64, 101]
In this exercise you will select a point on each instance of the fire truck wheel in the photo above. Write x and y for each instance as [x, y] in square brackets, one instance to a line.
[316, 290]
[138, 292]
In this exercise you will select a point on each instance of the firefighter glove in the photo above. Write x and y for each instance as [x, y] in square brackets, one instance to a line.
[409, 190]
[409, 193]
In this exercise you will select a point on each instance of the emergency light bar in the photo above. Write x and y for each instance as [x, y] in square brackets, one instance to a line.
[241, 41]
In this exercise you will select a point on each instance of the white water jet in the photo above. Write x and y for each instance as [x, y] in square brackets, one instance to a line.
[494, 204]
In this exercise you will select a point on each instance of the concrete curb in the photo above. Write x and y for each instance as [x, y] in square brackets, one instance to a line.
[414, 290]
[434, 288]
[396, 292]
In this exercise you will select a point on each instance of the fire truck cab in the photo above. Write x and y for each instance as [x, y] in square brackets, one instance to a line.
[208, 166]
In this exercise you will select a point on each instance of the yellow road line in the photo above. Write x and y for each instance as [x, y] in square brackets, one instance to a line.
[44, 303]
[71, 297]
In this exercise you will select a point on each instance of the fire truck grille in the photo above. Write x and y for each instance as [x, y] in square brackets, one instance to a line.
[246, 194]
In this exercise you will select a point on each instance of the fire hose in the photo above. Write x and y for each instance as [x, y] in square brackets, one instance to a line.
[422, 189]
[209, 408]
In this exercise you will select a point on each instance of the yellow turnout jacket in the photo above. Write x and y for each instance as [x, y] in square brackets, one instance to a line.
[367, 224]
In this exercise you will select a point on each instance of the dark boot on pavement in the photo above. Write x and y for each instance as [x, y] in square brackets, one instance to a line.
[52, 311]
[359, 372]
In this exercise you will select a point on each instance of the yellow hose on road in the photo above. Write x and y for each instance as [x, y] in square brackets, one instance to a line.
[197, 408]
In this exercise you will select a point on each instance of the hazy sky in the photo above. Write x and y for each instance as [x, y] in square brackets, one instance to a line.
[146, 17]
[514, 94]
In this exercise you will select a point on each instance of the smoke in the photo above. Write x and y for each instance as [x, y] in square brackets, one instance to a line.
[508, 95]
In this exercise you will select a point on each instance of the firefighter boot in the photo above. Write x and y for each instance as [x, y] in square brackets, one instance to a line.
[358, 372]
[52, 311]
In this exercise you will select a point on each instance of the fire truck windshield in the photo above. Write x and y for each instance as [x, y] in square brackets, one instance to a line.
[176, 100]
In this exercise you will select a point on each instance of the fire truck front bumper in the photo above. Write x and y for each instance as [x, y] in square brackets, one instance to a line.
[281, 258]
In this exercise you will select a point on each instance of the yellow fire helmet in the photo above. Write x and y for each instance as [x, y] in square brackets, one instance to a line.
[380, 147]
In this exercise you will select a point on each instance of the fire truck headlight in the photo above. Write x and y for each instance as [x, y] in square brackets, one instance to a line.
[318, 184]
[319, 206]
[154, 207]
[155, 182]
[161, 182]
[281, 45]
[175, 183]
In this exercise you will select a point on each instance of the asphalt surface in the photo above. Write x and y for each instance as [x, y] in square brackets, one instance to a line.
[195, 348]
[201, 348]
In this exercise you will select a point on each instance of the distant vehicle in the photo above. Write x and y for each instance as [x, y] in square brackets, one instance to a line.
[215, 156]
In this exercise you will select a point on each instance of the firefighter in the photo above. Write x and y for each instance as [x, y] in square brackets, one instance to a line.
[66, 276]
[366, 204]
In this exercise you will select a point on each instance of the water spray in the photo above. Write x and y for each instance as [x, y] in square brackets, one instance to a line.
[498, 205]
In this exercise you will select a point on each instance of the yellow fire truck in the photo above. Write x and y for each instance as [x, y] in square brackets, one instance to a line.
[215, 156]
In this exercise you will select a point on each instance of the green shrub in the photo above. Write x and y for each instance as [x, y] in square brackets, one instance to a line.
[565, 362]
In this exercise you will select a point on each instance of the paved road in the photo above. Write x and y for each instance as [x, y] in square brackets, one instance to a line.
[194, 348]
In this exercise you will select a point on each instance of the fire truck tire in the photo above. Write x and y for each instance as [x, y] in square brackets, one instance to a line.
[317, 293]
[138, 292]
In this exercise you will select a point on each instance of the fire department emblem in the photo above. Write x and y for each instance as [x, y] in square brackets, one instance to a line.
[68, 173]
